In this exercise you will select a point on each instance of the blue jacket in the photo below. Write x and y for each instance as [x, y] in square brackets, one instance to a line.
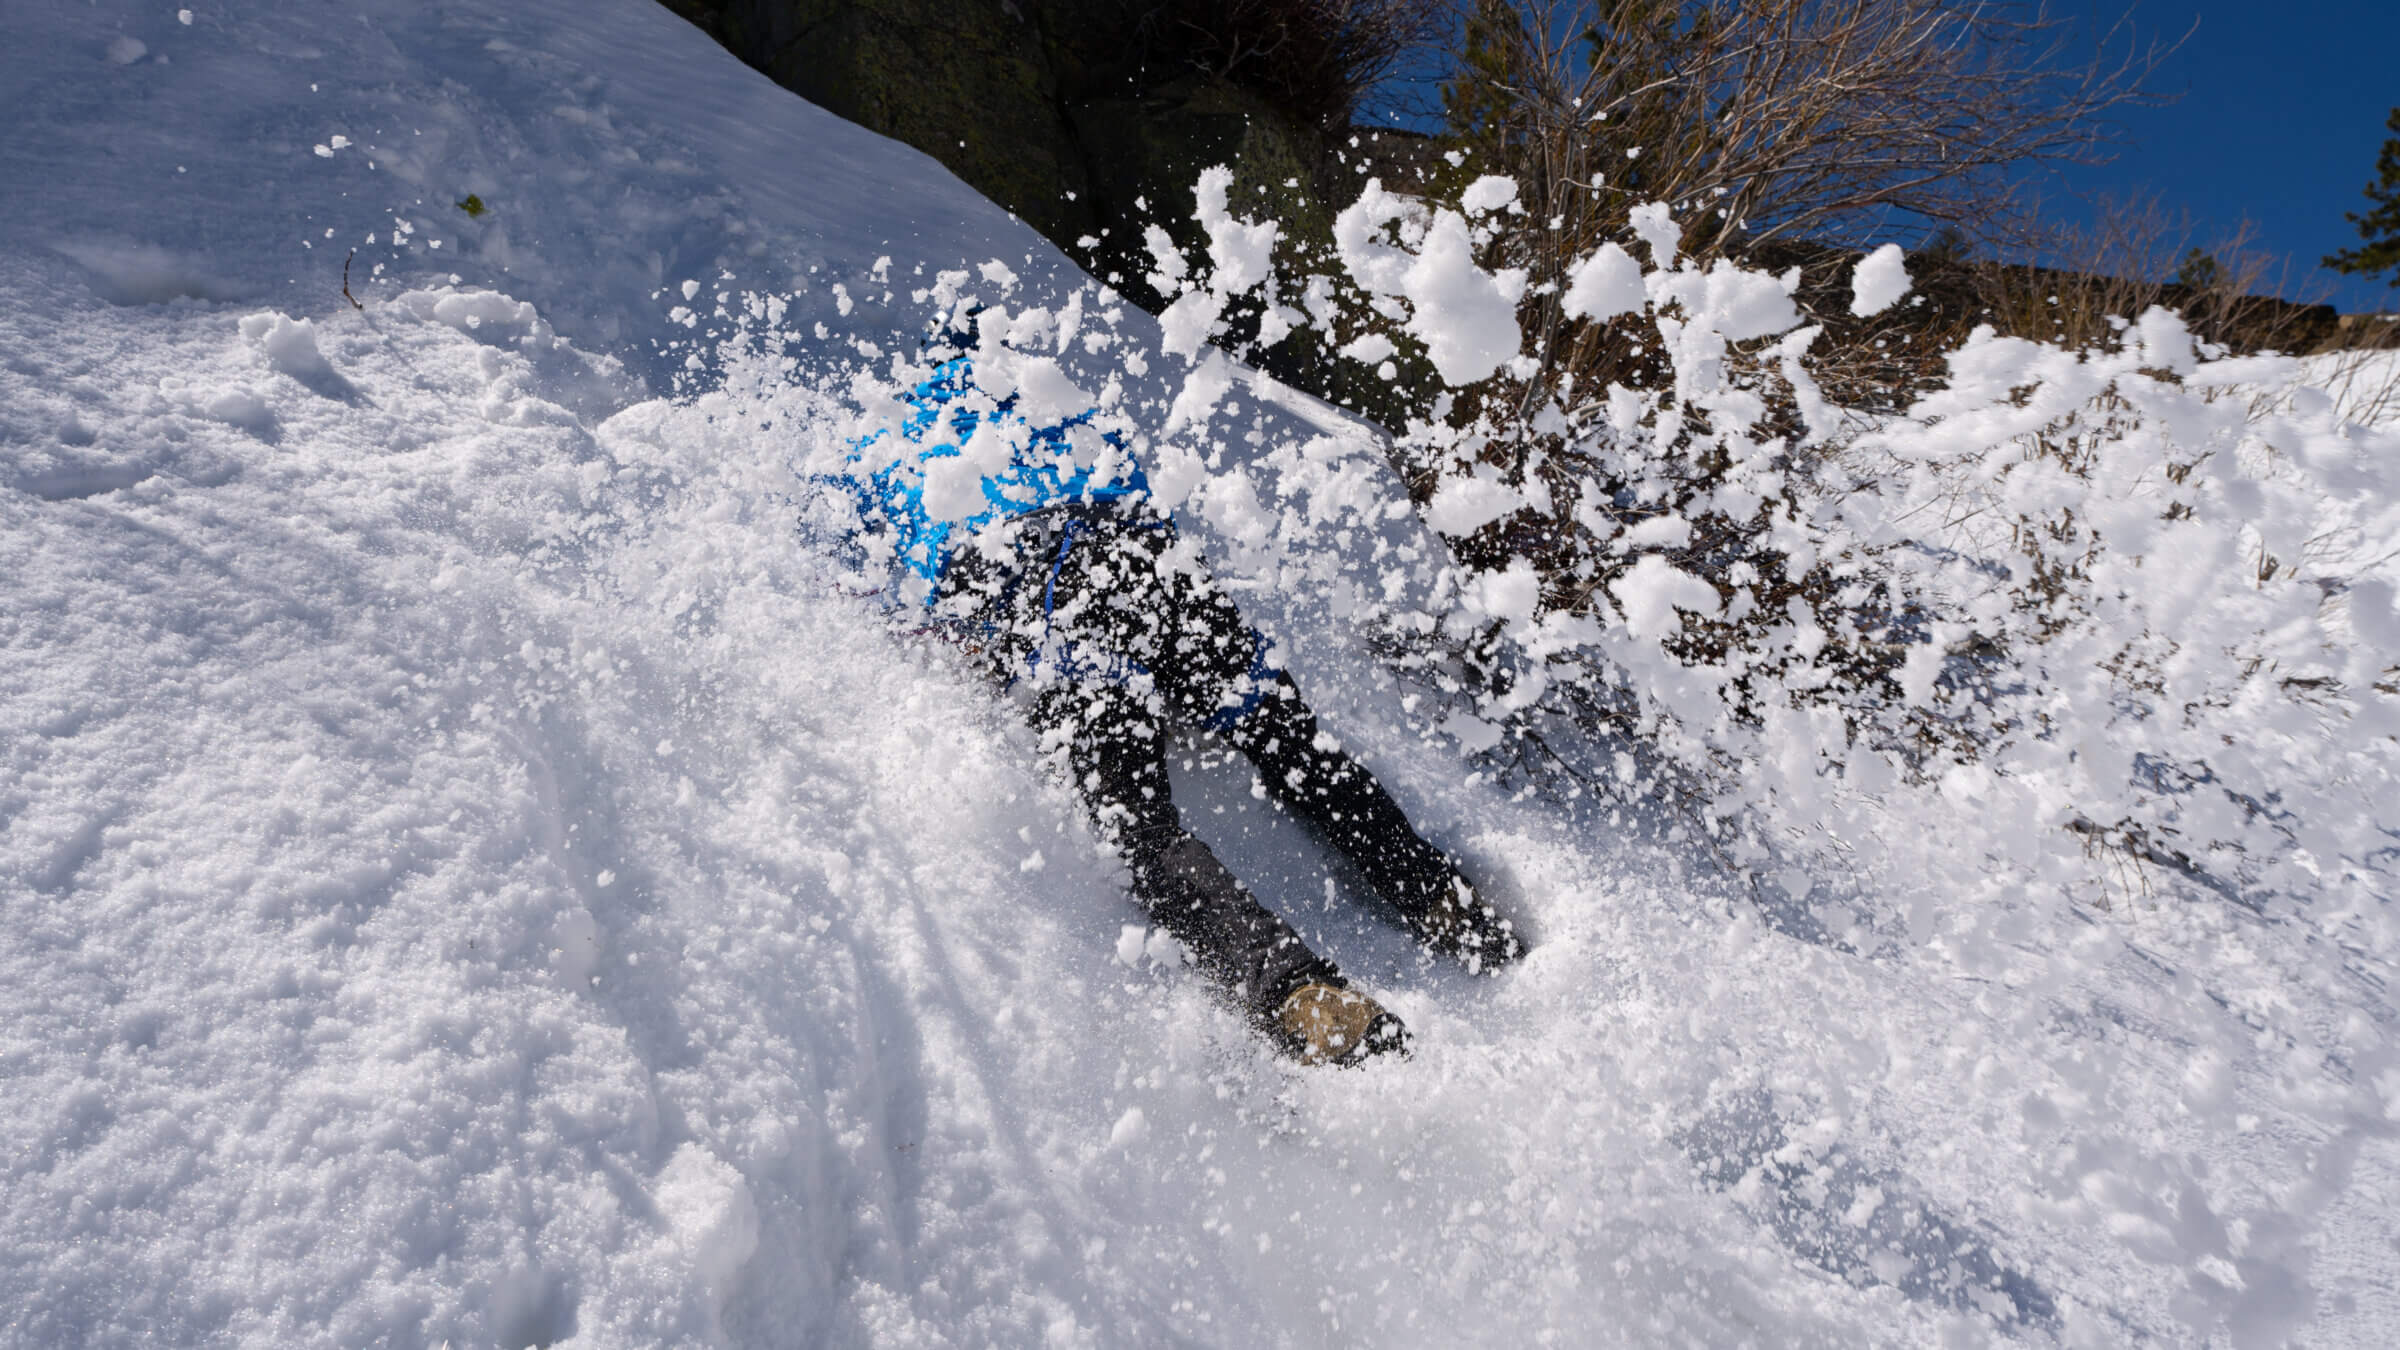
[890, 486]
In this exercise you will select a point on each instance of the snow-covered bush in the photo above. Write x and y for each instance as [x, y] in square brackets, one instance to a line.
[2104, 591]
[2138, 596]
[2188, 587]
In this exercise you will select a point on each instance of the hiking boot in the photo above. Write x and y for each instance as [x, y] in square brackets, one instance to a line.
[1461, 924]
[1328, 1024]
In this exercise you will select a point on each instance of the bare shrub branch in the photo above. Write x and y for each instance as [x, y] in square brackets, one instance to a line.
[1778, 130]
[2134, 254]
[1773, 119]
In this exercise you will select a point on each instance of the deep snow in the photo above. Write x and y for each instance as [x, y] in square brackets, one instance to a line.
[471, 871]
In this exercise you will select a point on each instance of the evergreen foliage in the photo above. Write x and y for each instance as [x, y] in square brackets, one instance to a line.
[2200, 270]
[2379, 227]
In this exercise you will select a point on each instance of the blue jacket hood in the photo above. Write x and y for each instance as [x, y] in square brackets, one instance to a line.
[1024, 468]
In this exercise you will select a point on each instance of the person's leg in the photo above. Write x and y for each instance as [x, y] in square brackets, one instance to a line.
[1115, 755]
[1217, 672]
[1312, 777]
[1093, 607]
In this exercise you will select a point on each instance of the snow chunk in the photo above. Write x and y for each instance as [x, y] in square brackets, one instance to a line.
[1655, 223]
[1129, 943]
[1921, 674]
[1463, 505]
[954, 483]
[575, 952]
[1202, 389]
[1660, 532]
[1369, 348]
[1046, 394]
[1607, 284]
[998, 273]
[124, 51]
[1164, 948]
[1492, 192]
[1878, 282]
[1188, 323]
[1739, 304]
[241, 409]
[1373, 264]
[1466, 316]
[710, 1215]
[1240, 252]
[487, 315]
[1655, 593]
[1174, 470]
[2166, 341]
[1514, 593]
[2372, 616]
[1171, 265]
[291, 346]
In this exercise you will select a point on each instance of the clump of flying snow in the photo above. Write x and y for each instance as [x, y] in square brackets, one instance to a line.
[1465, 316]
[1656, 594]
[1606, 284]
[1490, 193]
[1878, 281]
[1466, 503]
[1240, 252]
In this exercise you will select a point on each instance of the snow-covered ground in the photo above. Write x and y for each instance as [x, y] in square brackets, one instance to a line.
[471, 872]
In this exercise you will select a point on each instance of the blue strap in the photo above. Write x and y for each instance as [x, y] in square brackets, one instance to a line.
[1066, 541]
[1058, 562]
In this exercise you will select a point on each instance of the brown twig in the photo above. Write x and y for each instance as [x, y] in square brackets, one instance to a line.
[346, 295]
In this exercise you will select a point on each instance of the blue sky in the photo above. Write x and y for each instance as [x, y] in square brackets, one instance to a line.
[2282, 111]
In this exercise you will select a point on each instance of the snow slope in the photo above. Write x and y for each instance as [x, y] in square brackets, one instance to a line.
[470, 872]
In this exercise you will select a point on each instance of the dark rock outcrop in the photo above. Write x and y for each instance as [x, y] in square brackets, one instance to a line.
[1091, 120]
[1068, 113]
[971, 82]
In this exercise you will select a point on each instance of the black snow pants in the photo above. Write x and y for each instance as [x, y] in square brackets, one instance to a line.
[1126, 640]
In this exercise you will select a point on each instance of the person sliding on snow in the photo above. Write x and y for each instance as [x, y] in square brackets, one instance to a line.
[1049, 558]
